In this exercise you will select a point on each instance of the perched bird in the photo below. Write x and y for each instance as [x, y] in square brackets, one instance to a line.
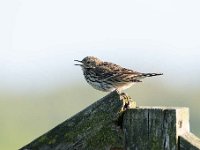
[107, 77]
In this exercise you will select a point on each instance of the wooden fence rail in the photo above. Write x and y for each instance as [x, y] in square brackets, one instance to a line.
[108, 124]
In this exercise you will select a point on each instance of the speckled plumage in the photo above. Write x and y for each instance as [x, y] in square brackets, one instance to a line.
[106, 76]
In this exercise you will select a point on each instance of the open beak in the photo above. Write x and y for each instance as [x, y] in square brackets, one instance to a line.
[79, 62]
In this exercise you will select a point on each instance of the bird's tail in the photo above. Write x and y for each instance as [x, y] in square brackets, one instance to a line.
[150, 74]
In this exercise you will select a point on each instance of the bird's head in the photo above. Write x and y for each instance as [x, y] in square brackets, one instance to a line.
[89, 62]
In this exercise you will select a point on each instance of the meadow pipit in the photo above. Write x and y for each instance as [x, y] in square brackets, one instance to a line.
[107, 77]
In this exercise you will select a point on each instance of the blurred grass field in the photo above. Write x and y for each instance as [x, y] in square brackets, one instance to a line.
[25, 117]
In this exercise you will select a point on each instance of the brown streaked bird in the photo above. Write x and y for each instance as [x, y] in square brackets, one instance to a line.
[107, 77]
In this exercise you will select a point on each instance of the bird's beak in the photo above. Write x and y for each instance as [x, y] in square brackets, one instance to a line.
[79, 62]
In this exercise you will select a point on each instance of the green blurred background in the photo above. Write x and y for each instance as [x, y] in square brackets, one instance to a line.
[40, 86]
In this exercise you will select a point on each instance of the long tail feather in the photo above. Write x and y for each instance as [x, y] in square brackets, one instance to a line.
[150, 74]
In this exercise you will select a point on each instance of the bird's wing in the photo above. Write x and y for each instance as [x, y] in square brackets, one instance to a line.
[104, 73]
[110, 72]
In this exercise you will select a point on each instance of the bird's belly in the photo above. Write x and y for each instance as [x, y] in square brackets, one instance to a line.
[125, 86]
[101, 86]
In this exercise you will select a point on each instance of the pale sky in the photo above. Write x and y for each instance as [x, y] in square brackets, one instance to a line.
[40, 39]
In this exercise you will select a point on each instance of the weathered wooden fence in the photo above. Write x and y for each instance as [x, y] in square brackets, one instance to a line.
[114, 123]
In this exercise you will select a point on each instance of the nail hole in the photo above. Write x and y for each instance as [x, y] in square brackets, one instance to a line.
[180, 123]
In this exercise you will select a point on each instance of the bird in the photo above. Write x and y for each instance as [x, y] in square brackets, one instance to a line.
[107, 76]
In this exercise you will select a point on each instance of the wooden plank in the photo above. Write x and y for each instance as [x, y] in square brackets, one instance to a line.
[105, 125]
[96, 127]
[154, 128]
[189, 141]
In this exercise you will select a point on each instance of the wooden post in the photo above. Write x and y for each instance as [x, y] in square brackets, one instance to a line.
[108, 124]
[95, 128]
[189, 141]
[154, 128]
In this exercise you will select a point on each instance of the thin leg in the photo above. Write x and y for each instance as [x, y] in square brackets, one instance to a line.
[128, 102]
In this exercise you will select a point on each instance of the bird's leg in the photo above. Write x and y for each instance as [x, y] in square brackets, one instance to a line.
[128, 102]
[122, 94]
[125, 96]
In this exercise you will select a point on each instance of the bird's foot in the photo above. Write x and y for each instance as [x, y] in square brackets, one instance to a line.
[128, 102]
